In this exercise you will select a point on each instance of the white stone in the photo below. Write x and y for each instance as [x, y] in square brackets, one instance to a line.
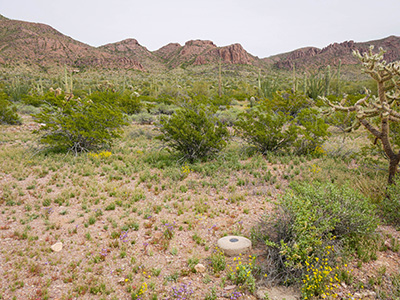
[234, 245]
[57, 247]
[200, 268]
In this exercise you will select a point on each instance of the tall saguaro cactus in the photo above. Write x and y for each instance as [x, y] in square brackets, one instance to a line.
[381, 110]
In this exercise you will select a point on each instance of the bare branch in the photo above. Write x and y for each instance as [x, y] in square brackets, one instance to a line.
[371, 128]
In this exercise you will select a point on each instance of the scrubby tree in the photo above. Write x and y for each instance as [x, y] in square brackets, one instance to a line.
[377, 113]
[266, 130]
[283, 124]
[8, 112]
[195, 131]
[80, 125]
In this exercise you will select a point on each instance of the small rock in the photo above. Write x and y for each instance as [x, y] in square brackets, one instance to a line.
[229, 287]
[200, 268]
[372, 294]
[57, 247]
[234, 245]
[357, 296]
[158, 235]
[368, 294]
[388, 245]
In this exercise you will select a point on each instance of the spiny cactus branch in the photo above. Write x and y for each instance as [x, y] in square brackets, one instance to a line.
[382, 108]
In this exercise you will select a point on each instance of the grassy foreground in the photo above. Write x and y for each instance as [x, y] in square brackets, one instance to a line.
[134, 222]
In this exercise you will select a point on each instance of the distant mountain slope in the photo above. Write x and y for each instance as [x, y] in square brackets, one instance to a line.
[312, 57]
[40, 44]
[131, 48]
[201, 52]
[43, 45]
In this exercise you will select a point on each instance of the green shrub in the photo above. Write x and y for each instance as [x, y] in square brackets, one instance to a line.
[8, 112]
[80, 125]
[52, 97]
[143, 118]
[266, 130]
[129, 103]
[289, 102]
[312, 133]
[307, 219]
[390, 205]
[163, 109]
[229, 116]
[269, 131]
[194, 131]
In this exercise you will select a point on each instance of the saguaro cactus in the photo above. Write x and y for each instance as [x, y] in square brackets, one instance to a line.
[381, 110]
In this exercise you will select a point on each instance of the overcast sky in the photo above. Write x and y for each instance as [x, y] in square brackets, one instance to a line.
[263, 27]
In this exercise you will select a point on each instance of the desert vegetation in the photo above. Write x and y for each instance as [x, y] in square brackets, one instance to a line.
[138, 175]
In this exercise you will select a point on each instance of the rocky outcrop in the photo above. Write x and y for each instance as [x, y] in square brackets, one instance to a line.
[232, 54]
[40, 44]
[201, 52]
[131, 49]
[190, 51]
[168, 52]
[312, 57]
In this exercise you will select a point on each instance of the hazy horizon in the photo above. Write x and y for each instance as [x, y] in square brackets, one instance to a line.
[263, 28]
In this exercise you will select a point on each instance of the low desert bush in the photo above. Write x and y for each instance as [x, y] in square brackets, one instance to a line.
[8, 112]
[313, 131]
[390, 205]
[194, 131]
[311, 223]
[129, 103]
[266, 130]
[80, 125]
[269, 130]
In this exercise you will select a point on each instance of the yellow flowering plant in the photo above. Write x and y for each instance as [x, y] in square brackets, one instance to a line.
[321, 276]
[242, 273]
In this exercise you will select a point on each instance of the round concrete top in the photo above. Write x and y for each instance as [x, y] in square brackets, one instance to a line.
[234, 245]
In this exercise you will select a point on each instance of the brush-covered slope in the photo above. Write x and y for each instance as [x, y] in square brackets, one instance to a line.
[34, 43]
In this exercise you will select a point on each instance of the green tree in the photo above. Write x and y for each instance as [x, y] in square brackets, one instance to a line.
[8, 112]
[80, 125]
[377, 113]
[195, 131]
[313, 131]
[266, 130]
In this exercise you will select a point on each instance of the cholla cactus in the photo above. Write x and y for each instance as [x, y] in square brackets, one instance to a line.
[383, 108]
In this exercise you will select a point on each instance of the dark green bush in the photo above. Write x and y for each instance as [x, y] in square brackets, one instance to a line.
[269, 130]
[143, 118]
[8, 112]
[289, 102]
[390, 205]
[266, 130]
[313, 131]
[80, 125]
[163, 109]
[194, 131]
[129, 103]
[309, 217]
[228, 116]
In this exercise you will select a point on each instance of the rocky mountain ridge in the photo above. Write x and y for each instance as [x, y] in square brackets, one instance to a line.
[34, 43]
[312, 57]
